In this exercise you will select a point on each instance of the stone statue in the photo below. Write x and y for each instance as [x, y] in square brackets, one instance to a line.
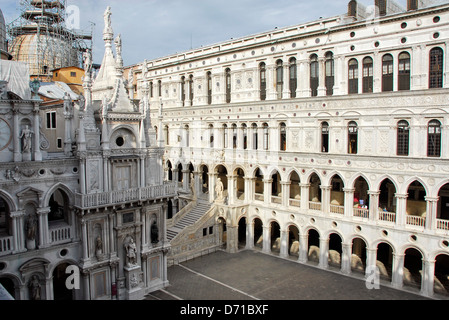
[26, 139]
[31, 227]
[219, 189]
[35, 288]
[118, 45]
[107, 20]
[192, 183]
[3, 89]
[98, 247]
[87, 55]
[154, 233]
[131, 252]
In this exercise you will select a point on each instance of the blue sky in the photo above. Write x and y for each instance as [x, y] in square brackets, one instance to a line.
[156, 28]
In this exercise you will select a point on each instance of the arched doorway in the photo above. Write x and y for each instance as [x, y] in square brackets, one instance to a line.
[384, 261]
[337, 196]
[276, 188]
[295, 190]
[412, 268]
[258, 233]
[315, 192]
[169, 209]
[335, 251]
[222, 175]
[441, 279]
[169, 171]
[204, 179]
[443, 208]
[275, 237]
[240, 184]
[387, 201]
[60, 291]
[242, 233]
[416, 204]
[313, 244]
[222, 234]
[293, 241]
[8, 284]
[259, 185]
[361, 198]
[358, 256]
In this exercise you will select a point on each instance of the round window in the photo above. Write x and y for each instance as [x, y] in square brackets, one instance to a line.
[120, 141]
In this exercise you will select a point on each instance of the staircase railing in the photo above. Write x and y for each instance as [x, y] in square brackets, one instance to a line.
[181, 213]
[193, 228]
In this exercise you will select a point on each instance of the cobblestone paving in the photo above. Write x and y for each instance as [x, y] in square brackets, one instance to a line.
[252, 275]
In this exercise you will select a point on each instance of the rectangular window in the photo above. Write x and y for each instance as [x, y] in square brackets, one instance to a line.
[51, 120]
[59, 143]
[73, 74]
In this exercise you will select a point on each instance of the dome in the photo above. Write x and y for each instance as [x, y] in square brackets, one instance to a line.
[43, 54]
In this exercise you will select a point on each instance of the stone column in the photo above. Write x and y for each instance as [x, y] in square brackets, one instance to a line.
[373, 204]
[284, 244]
[325, 198]
[428, 277]
[302, 248]
[286, 83]
[37, 135]
[401, 207]
[16, 134]
[285, 189]
[84, 240]
[431, 212]
[305, 195]
[349, 201]
[324, 253]
[232, 180]
[397, 270]
[346, 258]
[267, 190]
[44, 239]
[322, 75]
[250, 235]
[370, 261]
[266, 245]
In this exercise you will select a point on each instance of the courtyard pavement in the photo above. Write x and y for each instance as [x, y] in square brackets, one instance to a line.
[253, 275]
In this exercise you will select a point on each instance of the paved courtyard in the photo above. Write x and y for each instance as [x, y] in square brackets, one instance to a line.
[252, 275]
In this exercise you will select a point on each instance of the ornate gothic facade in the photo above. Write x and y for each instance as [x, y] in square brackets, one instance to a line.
[325, 142]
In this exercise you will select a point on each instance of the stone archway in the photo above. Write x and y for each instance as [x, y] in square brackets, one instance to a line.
[60, 290]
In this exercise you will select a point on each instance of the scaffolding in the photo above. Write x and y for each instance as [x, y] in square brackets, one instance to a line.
[40, 38]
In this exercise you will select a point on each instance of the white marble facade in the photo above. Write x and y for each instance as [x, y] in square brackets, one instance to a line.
[79, 208]
[333, 129]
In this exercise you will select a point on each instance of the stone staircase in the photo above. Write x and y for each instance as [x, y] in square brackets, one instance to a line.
[189, 219]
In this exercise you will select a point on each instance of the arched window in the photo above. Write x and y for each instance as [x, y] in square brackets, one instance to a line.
[404, 71]
[324, 137]
[183, 90]
[314, 75]
[234, 136]
[167, 136]
[367, 75]
[191, 89]
[434, 138]
[228, 85]
[403, 138]
[283, 136]
[255, 136]
[353, 76]
[387, 73]
[263, 81]
[209, 87]
[329, 70]
[211, 135]
[225, 136]
[245, 136]
[151, 89]
[159, 88]
[436, 68]
[352, 137]
[266, 136]
[293, 73]
[279, 78]
[187, 136]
